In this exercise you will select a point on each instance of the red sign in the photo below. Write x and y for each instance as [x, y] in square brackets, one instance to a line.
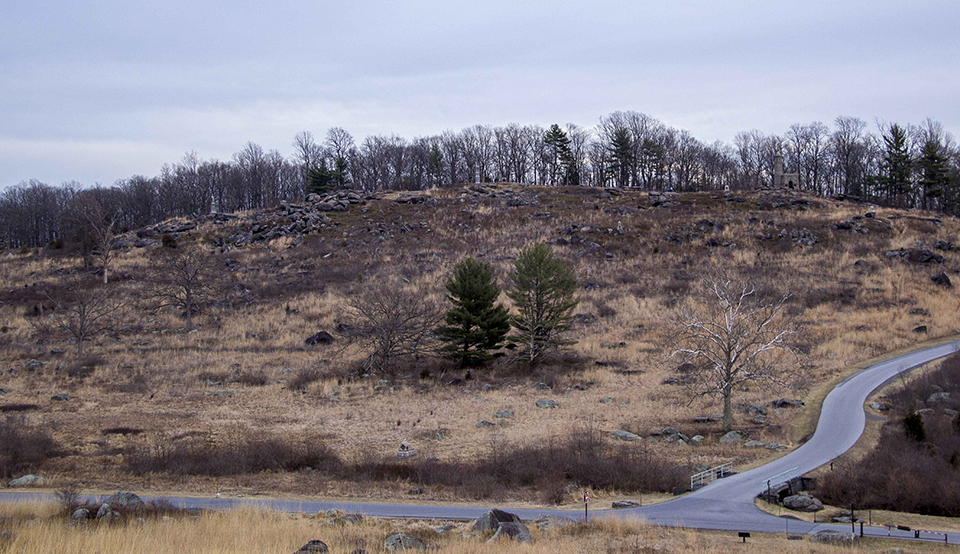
[586, 497]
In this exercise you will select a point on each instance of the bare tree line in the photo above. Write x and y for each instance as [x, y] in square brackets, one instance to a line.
[626, 149]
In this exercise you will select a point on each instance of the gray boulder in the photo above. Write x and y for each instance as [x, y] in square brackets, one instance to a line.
[787, 403]
[547, 404]
[545, 522]
[60, 397]
[491, 519]
[485, 423]
[835, 537]
[80, 514]
[620, 504]
[938, 397]
[402, 542]
[313, 546]
[125, 500]
[504, 414]
[513, 530]
[106, 512]
[803, 503]
[25, 481]
[625, 435]
[942, 280]
[731, 437]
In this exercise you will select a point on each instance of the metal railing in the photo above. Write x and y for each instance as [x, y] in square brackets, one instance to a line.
[782, 478]
[711, 474]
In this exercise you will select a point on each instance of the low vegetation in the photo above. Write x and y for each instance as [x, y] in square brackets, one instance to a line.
[915, 467]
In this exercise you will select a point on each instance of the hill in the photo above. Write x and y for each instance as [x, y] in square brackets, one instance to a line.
[240, 403]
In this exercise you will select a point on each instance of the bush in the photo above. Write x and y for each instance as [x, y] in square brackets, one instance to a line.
[913, 427]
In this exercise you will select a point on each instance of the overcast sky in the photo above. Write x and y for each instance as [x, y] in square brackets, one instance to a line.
[99, 90]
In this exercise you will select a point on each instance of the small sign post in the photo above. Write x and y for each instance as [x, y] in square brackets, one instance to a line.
[586, 504]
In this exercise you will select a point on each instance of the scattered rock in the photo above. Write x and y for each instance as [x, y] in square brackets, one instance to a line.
[61, 397]
[491, 519]
[504, 414]
[606, 400]
[802, 503]
[125, 500]
[696, 440]
[224, 392]
[80, 514]
[402, 542]
[712, 418]
[545, 522]
[938, 397]
[313, 546]
[879, 406]
[920, 329]
[620, 504]
[485, 423]
[322, 337]
[942, 280]
[25, 481]
[835, 537]
[787, 403]
[625, 435]
[444, 529]
[515, 531]
[107, 513]
[547, 404]
[731, 437]
[803, 237]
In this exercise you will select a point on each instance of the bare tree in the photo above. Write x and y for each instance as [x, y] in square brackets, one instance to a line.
[393, 323]
[84, 310]
[183, 279]
[731, 338]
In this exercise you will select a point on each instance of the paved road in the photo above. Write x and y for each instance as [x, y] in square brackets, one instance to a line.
[727, 504]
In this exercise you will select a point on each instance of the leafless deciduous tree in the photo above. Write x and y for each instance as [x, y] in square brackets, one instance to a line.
[394, 322]
[183, 279]
[83, 309]
[730, 338]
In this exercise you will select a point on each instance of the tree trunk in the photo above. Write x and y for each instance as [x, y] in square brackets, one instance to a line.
[727, 409]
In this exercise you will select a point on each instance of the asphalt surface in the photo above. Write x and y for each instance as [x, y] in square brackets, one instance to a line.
[725, 504]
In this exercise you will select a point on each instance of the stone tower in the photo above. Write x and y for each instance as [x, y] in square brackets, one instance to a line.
[781, 179]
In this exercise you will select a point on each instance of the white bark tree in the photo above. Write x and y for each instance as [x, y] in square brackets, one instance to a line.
[731, 338]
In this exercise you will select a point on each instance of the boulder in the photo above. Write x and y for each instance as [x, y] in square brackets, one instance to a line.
[444, 529]
[545, 522]
[620, 504]
[80, 514]
[879, 406]
[491, 519]
[313, 546]
[25, 481]
[547, 403]
[504, 414]
[512, 530]
[731, 437]
[938, 397]
[322, 337]
[60, 397]
[402, 542]
[942, 280]
[607, 400]
[625, 435]
[406, 451]
[125, 500]
[802, 503]
[828, 536]
[920, 329]
[485, 423]
[787, 403]
[107, 513]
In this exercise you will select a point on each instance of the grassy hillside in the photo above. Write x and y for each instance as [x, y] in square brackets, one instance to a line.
[148, 388]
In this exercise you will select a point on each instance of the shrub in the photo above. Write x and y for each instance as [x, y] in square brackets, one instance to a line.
[913, 427]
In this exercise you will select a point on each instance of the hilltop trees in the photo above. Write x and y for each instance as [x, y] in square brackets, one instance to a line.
[475, 324]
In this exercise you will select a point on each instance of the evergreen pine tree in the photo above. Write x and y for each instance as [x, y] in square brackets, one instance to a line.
[321, 180]
[897, 163]
[560, 155]
[621, 156]
[933, 171]
[475, 324]
[543, 293]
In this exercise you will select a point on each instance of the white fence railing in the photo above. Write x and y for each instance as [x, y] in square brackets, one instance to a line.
[781, 478]
[711, 474]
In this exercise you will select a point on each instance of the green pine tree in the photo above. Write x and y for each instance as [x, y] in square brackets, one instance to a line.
[475, 324]
[543, 293]
[321, 180]
[621, 156]
[560, 157]
[934, 179]
[897, 164]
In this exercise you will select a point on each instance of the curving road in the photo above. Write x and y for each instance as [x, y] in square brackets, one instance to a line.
[727, 504]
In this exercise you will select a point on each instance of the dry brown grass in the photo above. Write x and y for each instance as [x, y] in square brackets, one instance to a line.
[149, 376]
[36, 529]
